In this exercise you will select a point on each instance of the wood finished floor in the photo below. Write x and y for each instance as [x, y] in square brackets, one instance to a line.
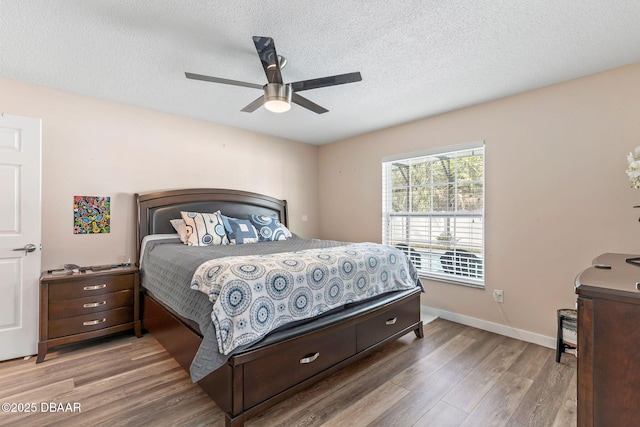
[455, 376]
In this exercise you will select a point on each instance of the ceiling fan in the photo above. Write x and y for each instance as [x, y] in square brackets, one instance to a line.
[278, 95]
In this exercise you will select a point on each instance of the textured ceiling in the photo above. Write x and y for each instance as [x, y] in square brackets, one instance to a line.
[417, 58]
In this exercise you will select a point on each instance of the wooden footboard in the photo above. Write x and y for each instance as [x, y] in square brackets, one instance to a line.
[254, 380]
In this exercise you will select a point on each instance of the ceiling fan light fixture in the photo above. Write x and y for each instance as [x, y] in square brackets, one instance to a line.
[277, 97]
[277, 105]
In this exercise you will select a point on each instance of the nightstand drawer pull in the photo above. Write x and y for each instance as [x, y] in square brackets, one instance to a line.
[95, 287]
[94, 304]
[392, 321]
[94, 322]
[310, 358]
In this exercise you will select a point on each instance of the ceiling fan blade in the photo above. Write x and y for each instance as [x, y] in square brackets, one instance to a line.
[326, 81]
[254, 105]
[269, 58]
[304, 102]
[221, 80]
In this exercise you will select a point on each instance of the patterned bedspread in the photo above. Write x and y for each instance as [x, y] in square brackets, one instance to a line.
[167, 270]
[253, 295]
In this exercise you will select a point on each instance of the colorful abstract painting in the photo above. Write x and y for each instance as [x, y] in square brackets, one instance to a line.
[91, 214]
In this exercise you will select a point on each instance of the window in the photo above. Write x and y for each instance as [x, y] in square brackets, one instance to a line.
[433, 209]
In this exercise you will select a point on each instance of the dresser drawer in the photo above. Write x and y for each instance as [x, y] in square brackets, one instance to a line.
[90, 322]
[387, 323]
[89, 286]
[91, 304]
[304, 357]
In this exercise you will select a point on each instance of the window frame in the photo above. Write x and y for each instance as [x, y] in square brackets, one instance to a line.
[469, 267]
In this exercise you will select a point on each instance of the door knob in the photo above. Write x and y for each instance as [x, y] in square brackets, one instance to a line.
[30, 247]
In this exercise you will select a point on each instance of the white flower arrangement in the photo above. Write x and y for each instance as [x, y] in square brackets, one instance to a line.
[633, 171]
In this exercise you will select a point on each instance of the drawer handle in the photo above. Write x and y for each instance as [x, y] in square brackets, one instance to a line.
[94, 304]
[310, 358]
[392, 321]
[95, 287]
[94, 322]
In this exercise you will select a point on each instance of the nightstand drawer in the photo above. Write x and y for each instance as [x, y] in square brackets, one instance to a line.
[90, 286]
[90, 322]
[91, 304]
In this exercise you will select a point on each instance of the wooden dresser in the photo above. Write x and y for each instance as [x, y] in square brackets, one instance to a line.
[76, 307]
[609, 343]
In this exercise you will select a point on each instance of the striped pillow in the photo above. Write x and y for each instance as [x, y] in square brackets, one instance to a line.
[205, 229]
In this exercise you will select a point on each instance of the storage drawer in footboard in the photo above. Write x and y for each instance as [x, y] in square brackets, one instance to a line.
[303, 358]
[389, 322]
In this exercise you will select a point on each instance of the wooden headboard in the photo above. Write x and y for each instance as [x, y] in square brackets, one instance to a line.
[155, 210]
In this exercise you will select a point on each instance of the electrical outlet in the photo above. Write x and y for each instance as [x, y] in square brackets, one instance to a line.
[305, 218]
[498, 295]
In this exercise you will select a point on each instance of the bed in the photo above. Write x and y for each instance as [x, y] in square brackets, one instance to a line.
[257, 375]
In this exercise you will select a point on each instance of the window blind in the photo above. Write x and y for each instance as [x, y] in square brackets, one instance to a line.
[433, 210]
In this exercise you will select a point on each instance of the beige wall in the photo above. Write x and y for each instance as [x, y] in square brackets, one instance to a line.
[556, 191]
[95, 147]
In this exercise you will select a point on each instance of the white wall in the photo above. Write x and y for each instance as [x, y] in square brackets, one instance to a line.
[556, 191]
[92, 147]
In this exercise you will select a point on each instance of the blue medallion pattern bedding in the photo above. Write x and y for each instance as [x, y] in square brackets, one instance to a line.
[253, 295]
[167, 269]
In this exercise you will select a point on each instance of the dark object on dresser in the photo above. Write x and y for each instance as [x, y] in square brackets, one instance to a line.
[80, 306]
[608, 343]
[255, 379]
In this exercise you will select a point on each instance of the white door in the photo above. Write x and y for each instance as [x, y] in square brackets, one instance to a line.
[20, 229]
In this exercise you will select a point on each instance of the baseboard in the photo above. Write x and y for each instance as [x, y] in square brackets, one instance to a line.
[426, 316]
[497, 328]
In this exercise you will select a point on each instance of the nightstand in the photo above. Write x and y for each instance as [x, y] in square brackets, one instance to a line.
[80, 306]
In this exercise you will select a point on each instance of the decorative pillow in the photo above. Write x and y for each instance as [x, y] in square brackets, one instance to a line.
[239, 231]
[269, 228]
[205, 229]
[181, 228]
